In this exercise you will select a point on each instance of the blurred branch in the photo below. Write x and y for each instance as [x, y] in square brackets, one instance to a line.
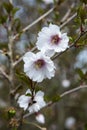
[67, 93]
[11, 60]
[43, 16]
[10, 53]
[67, 13]
[68, 20]
[61, 96]
[31, 123]
[14, 91]
[61, 26]
[4, 74]
[72, 90]
[36, 21]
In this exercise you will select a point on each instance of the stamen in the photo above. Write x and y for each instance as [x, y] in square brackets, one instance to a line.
[55, 39]
[39, 63]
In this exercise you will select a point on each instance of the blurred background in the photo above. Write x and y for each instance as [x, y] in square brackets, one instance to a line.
[70, 113]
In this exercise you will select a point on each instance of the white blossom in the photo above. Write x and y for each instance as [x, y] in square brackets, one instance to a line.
[39, 102]
[48, 1]
[38, 66]
[32, 105]
[51, 39]
[24, 100]
[65, 83]
[70, 122]
[40, 118]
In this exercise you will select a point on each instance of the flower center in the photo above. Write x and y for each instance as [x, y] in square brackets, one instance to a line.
[39, 63]
[55, 39]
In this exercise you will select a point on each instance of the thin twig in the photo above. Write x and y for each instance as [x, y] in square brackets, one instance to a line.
[67, 13]
[4, 74]
[72, 90]
[14, 91]
[68, 20]
[28, 27]
[36, 21]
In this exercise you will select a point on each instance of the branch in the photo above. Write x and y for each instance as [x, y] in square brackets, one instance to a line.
[72, 90]
[67, 13]
[67, 93]
[31, 123]
[68, 20]
[61, 96]
[36, 21]
[4, 74]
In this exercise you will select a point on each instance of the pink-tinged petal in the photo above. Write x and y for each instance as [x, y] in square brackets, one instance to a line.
[51, 38]
[40, 118]
[38, 68]
[23, 101]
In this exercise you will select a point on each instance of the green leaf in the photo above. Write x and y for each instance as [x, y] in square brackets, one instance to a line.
[3, 19]
[71, 39]
[52, 98]
[8, 7]
[80, 72]
[56, 98]
[28, 94]
[23, 78]
[82, 13]
[15, 10]
[82, 41]
[56, 15]
[38, 88]
[83, 76]
[17, 24]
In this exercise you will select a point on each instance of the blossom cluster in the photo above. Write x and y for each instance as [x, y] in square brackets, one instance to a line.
[32, 105]
[39, 66]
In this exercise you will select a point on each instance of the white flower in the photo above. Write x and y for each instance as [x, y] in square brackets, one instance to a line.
[38, 102]
[51, 39]
[65, 83]
[70, 122]
[40, 118]
[38, 66]
[48, 1]
[32, 105]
